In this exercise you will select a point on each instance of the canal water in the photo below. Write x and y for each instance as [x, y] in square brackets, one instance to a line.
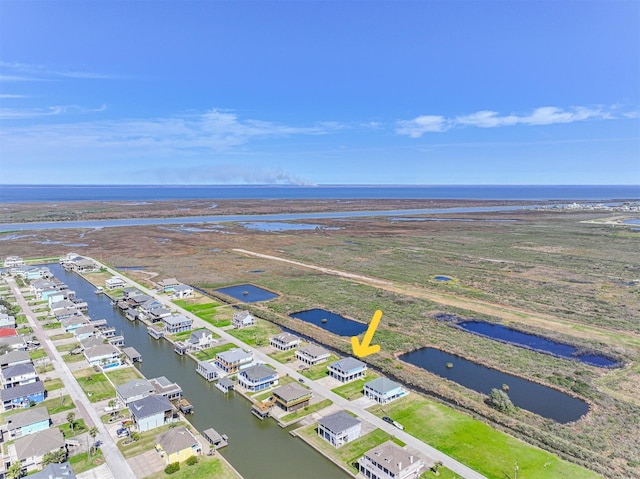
[534, 397]
[257, 449]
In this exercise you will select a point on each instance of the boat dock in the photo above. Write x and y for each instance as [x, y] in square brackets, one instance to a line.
[215, 439]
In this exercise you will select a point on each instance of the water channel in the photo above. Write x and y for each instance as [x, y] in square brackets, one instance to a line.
[534, 397]
[257, 449]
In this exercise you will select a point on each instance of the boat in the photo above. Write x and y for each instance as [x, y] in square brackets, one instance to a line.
[99, 290]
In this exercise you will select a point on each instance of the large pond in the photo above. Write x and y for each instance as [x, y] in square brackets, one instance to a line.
[537, 343]
[331, 322]
[534, 397]
[251, 441]
[247, 293]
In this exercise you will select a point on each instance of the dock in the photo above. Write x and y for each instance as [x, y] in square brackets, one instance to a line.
[225, 385]
[155, 333]
[132, 354]
[184, 406]
[215, 439]
[262, 409]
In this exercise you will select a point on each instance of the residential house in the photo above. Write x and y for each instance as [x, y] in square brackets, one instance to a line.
[158, 314]
[30, 450]
[182, 291]
[55, 471]
[63, 309]
[312, 354]
[148, 305]
[7, 332]
[86, 331]
[347, 369]
[7, 321]
[14, 357]
[54, 295]
[18, 375]
[163, 387]
[81, 265]
[291, 397]
[105, 356]
[90, 342]
[132, 314]
[70, 324]
[177, 445]
[22, 396]
[243, 319]
[176, 323]
[28, 422]
[13, 262]
[151, 412]
[138, 300]
[233, 360]
[200, 339]
[134, 390]
[14, 343]
[390, 461]
[285, 341]
[339, 428]
[31, 272]
[207, 370]
[114, 283]
[168, 285]
[131, 292]
[384, 390]
[257, 377]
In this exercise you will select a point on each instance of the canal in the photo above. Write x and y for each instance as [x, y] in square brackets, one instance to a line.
[257, 449]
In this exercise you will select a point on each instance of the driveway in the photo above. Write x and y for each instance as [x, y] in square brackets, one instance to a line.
[147, 463]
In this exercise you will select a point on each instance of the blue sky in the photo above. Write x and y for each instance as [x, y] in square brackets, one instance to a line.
[331, 92]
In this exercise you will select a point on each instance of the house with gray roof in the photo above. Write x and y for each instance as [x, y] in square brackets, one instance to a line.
[71, 323]
[18, 375]
[257, 377]
[233, 360]
[22, 396]
[85, 331]
[168, 284]
[30, 450]
[291, 397]
[133, 390]
[285, 341]
[347, 369]
[131, 292]
[312, 354]
[30, 421]
[151, 412]
[105, 356]
[177, 445]
[55, 471]
[15, 343]
[91, 341]
[207, 370]
[176, 323]
[388, 460]
[7, 321]
[242, 319]
[14, 357]
[182, 291]
[339, 428]
[384, 390]
[163, 387]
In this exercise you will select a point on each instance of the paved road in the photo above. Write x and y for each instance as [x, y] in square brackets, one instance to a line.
[115, 460]
[318, 389]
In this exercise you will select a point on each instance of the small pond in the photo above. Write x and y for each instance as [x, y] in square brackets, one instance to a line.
[632, 222]
[442, 278]
[331, 322]
[537, 343]
[277, 226]
[247, 293]
[542, 400]
[464, 220]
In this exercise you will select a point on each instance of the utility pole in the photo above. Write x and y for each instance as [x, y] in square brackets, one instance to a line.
[516, 473]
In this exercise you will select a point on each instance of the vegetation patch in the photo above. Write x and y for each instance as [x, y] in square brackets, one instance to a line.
[123, 375]
[305, 411]
[95, 385]
[353, 390]
[206, 468]
[319, 371]
[145, 441]
[210, 353]
[82, 462]
[56, 405]
[257, 335]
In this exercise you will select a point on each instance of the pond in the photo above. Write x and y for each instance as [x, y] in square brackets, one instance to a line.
[331, 322]
[542, 400]
[276, 226]
[247, 293]
[442, 278]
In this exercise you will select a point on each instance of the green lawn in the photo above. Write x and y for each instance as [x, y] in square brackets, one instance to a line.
[95, 385]
[484, 449]
[37, 354]
[53, 384]
[56, 337]
[81, 462]
[284, 356]
[210, 353]
[56, 404]
[78, 428]
[122, 415]
[207, 467]
[257, 335]
[186, 334]
[73, 358]
[123, 375]
[63, 348]
[44, 368]
[319, 371]
[146, 441]
[353, 390]
[306, 411]
[207, 311]
[52, 325]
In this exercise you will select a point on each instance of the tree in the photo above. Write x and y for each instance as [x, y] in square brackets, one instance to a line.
[134, 436]
[71, 419]
[58, 456]
[500, 400]
[15, 471]
[112, 406]
[93, 432]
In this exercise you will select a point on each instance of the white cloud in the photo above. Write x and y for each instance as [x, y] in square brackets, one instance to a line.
[29, 72]
[547, 115]
[25, 113]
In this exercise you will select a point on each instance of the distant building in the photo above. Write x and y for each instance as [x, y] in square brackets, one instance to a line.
[243, 319]
[339, 428]
[167, 285]
[114, 283]
[182, 291]
[312, 354]
[390, 461]
[347, 369]
[13, 262]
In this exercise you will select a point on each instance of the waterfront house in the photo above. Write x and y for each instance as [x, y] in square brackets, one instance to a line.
[28, 422]
[138, 300]
[233, 360]
[177, 445]
[383, 390]
[7, 333]
[176, 323]
[103, 355]
[14, 357]
[55, 471]
[390, 461]
[242, 319]
[132, 314]
[312, 354]
[7, 321]
[30, 450]
[339, 428]
[14, 343]
[114, 283]
[291, 397]
[54, 295]
[157, 314]
[182, 291]
[347, 369]
[131, 292]
[225, 385]
[163, 387]
[18, 375]
[167, 285]
[151, 412]
[148, 305]
[85, 331]
[32, 272]
[70, 324]
[22, 396]
[79, 264]
[134, 390]
[207, 370]
[200, 339]
[285, 341]
[132, 354]
[257, 377]
[90, 342]
[13, 262]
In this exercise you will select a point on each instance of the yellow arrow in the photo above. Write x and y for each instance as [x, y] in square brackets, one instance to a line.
[364, 349]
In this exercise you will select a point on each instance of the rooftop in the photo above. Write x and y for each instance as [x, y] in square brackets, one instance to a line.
[40, 443]
[176, 439]
[391, 456]
[347, 364]
[30, 416]
[291, 392]
[150, 406]
[234, 355]
[134, 387]
[258, 371]
[314, 350]
[21, 391]
[382, 385]
[338, 422]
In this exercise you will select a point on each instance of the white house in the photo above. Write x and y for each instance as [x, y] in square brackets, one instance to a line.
[242, 319]
[13, 262]
[114, 283]
[390, 461]
[18, 375]
[182, 291]
[30, 450]
[103, 355]
[383, 390]
[347, 369]
[339, 428]
[312, 354]
[285, 341]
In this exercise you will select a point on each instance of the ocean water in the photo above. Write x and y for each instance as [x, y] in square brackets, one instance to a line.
[141, 193]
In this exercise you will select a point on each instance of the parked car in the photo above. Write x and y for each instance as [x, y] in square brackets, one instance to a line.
[301, 380]
[387, 419]
[122, 432]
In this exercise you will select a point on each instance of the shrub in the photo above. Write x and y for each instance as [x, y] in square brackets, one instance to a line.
[171, 468]
[192, 461]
